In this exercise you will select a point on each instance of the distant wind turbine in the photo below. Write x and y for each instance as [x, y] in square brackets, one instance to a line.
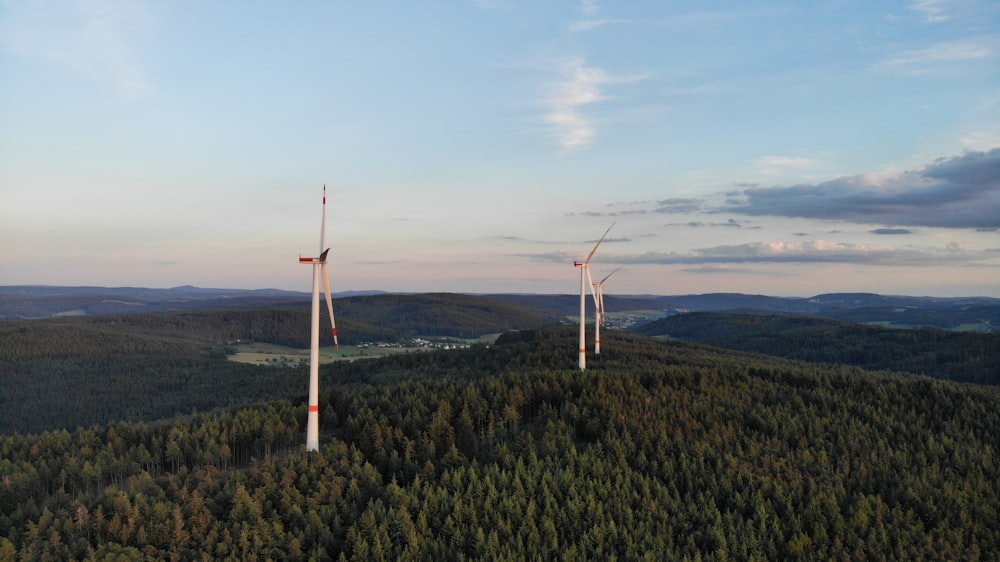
[584, 277]
[598, 290]
[319, 269]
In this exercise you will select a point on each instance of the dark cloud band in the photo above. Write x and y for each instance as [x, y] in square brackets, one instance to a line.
[958, 192]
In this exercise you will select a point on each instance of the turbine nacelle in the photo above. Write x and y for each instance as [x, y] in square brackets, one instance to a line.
[321, 259]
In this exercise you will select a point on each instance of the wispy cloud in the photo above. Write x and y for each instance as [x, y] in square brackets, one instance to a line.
[941, 57]
[97, 38]
[813, 251]
[958, 192]
[731, 223]
[591, 24]
[891, 231]
[728, 269]
[578, 86]
[678, 205]
[980, 140]
[931, 9]
[773, 165]
[589, 9]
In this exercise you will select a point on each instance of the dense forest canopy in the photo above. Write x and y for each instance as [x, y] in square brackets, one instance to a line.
[660, 450]
[65, 372]
[959, 356]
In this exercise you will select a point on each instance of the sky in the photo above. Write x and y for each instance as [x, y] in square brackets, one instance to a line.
[775, 147]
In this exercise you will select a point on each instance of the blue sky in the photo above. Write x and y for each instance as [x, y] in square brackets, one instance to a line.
[781, 148]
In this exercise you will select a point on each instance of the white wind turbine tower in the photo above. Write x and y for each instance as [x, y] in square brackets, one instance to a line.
[319, 269]
[584, 277]
[598, 291]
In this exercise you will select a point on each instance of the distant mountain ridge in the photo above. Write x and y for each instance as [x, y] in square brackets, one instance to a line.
[963, 313]
[44, 301]
[948, 313]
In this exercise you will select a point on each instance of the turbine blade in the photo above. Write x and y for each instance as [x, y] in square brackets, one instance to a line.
[606, 276]
[329, 302]
[322, 226]
[593, 289]
[598, 244]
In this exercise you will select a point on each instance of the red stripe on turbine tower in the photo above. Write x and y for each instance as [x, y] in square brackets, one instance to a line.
[314, 407]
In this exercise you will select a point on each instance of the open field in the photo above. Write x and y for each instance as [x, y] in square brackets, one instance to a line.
[279, 355]
[276, 355]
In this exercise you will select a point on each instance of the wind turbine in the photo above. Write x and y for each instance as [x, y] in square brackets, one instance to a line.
[598, 291]
[319, 269]
[584, 276]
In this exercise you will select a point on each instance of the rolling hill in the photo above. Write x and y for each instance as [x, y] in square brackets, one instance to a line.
[142, 367]
[661, 450]
[959, 356]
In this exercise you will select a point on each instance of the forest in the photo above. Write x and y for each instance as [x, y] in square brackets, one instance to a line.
[74, 371]
[660, 450]
[959, 356]
[81, 370]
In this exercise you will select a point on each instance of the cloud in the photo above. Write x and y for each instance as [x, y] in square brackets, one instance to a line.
[564, 257]
[589, 25]
[731, 223]
[726, 269]
[678, 205]
[941, 57]
[589, 7]
[980, 140]
[549, 257]
[814, 251]
[958, 192]
[578, 86]
[776, 165]
[891, 231]
[931, 9]
[97, 38]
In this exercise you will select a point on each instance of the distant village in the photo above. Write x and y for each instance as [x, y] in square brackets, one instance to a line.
[415, 342]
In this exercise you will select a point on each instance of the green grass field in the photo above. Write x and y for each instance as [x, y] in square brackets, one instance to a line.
[272, 354]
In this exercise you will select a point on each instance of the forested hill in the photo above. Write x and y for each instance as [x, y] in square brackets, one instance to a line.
[959, 356]
[359, 319]
[660, 450]
[81, 370]
[43, 301]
